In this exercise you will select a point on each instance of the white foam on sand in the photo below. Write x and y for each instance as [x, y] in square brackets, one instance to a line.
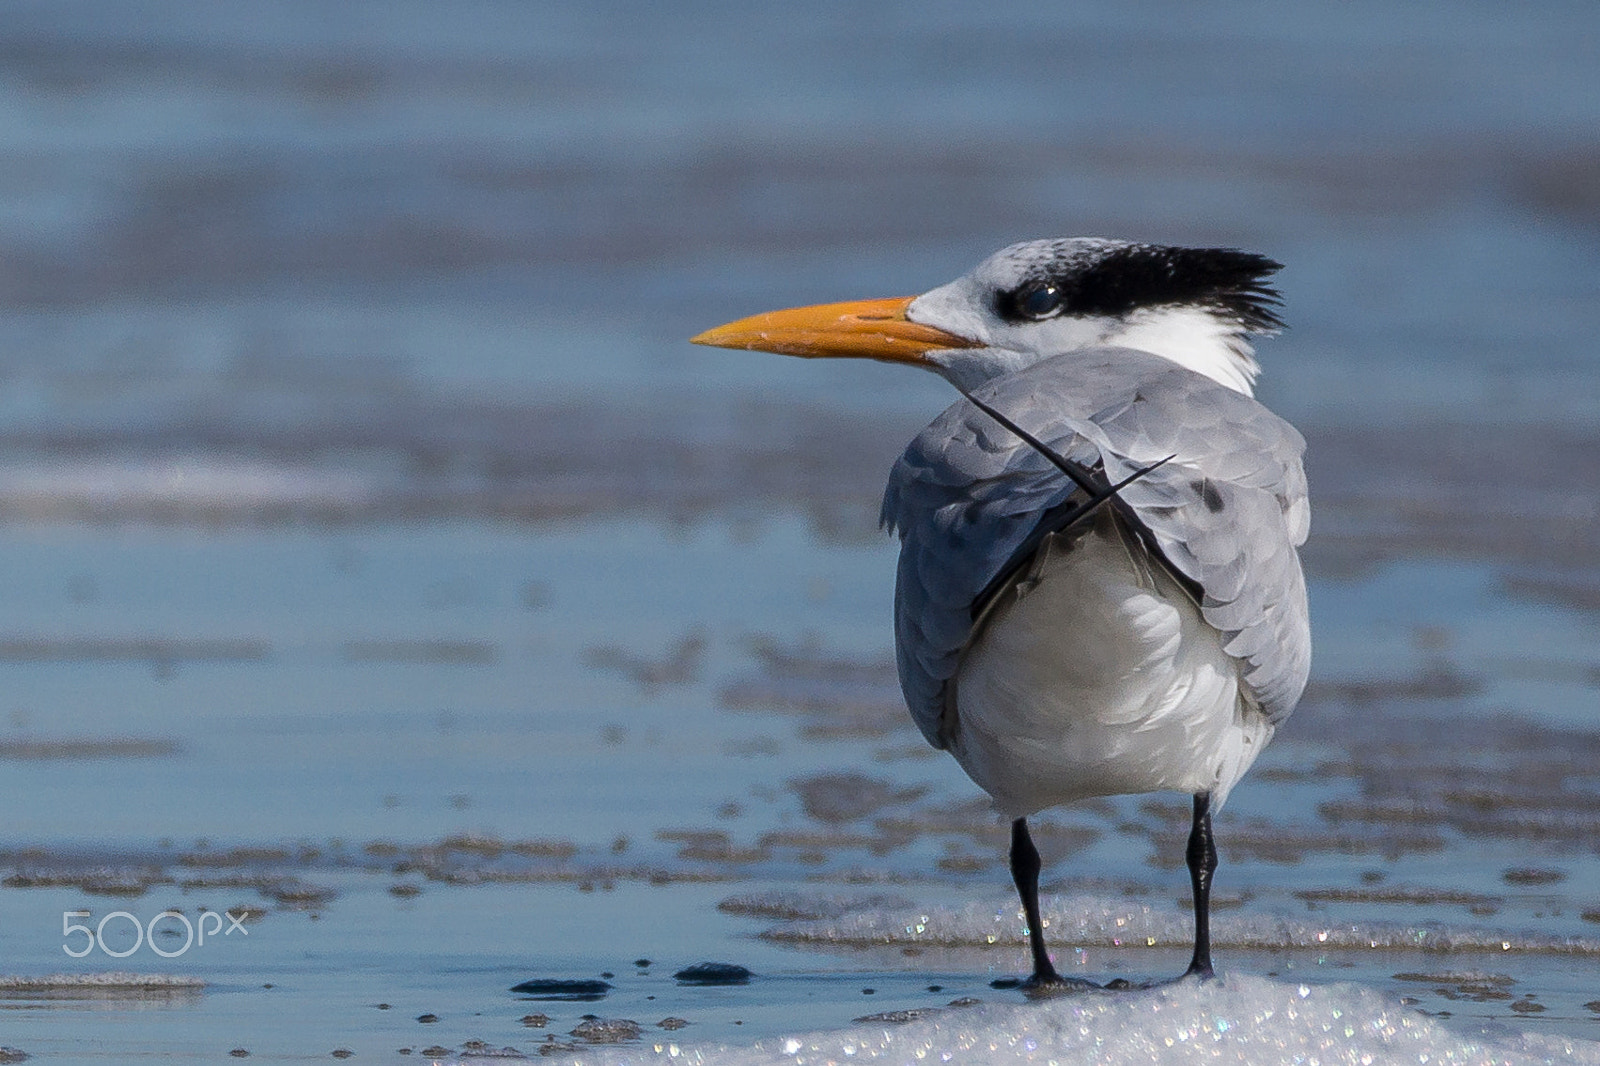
[111, 984]
[1236, 1018]
[1089, 920]
[52, 488]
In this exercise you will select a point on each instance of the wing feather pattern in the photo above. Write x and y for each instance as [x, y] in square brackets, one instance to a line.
[1227, 513]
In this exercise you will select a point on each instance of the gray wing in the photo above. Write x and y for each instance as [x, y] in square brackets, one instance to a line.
[1227, 512]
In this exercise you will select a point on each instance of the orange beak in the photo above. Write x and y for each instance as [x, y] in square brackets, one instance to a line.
[863, 329]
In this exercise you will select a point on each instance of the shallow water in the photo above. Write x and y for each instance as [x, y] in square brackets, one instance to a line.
[377, 558]
[461, 785]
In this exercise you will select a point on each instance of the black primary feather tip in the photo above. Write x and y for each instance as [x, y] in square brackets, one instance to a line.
[1121, 278]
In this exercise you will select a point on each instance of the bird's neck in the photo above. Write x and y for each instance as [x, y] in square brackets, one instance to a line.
[1192, 337]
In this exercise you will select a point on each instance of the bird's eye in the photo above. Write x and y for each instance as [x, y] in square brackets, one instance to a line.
[1038, 300]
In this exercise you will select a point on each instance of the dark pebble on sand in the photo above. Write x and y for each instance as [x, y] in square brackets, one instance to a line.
[671, 1024]
[607, 1030]
[341, 1052]
[239, 1053]
[436, 1051]
[427, 1019]
[641, 963]
[536, 1021]
[556, 988]
[869, 991]
[12, 1054]
[713, 973]
[936, 988]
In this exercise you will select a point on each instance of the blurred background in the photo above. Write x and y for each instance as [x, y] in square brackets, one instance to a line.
[360, 491]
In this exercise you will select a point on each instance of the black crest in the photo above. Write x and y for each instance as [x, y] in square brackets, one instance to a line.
[1124, 278]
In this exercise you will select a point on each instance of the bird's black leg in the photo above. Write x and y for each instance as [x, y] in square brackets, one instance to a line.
[1025, 872]
[1202, 856]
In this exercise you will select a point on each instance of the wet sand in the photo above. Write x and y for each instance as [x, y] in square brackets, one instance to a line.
[729, 791]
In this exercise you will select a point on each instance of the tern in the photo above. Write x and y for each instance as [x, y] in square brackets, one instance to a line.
[1099, 590]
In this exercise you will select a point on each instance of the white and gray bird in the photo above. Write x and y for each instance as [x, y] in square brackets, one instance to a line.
[1099, 589]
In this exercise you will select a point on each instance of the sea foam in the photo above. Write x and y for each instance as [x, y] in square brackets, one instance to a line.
[1236, 1018]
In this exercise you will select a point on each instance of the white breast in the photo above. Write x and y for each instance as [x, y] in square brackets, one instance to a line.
[1097, 676]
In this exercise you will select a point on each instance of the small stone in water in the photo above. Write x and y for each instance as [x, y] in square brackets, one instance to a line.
[607, 1030]
[556, 988]
[713, 973]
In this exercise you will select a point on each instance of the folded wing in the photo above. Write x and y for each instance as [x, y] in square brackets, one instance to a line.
[1226, 513]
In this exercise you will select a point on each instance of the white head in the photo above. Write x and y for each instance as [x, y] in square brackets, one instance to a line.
[1194, 306]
